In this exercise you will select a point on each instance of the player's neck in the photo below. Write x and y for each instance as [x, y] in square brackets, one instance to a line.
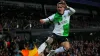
[61, 13]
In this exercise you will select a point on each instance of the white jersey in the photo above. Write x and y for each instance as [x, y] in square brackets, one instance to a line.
[61, 22]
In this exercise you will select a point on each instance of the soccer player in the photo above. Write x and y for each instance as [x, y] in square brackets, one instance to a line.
[61, 20]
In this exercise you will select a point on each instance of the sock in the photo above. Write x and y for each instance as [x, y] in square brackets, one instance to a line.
[60, 49]
[42, 47]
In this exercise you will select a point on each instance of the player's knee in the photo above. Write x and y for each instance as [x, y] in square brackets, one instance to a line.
[66, 45]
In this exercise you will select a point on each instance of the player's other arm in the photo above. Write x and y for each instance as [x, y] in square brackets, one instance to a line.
[50, 18]
[71, 10]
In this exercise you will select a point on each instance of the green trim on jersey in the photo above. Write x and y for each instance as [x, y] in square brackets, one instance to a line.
[66, 30]
[57, 18]
[65, 27]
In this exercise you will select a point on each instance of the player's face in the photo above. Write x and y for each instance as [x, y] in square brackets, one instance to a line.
[60, 8]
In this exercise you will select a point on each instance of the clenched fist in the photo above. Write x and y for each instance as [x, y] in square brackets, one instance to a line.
[41, 21]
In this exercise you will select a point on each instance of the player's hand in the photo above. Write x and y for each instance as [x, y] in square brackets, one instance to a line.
[41, 21]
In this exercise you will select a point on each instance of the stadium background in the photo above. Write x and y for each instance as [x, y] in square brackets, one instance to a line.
[19, 23]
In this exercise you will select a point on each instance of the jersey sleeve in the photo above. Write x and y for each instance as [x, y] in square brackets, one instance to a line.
[71, 11]
[50, 18]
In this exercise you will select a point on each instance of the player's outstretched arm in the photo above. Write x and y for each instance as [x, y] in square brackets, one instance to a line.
[49, 19]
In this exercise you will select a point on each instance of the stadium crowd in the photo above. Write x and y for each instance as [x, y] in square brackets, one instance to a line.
[86, 21]
[15, 17]
[10, 47]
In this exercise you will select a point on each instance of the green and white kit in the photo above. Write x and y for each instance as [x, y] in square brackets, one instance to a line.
[61, 22]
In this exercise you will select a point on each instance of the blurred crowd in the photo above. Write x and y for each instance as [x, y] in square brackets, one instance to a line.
[81, 48]
[85, 21]
[85, 48]
[12, 46]
[13, 17]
